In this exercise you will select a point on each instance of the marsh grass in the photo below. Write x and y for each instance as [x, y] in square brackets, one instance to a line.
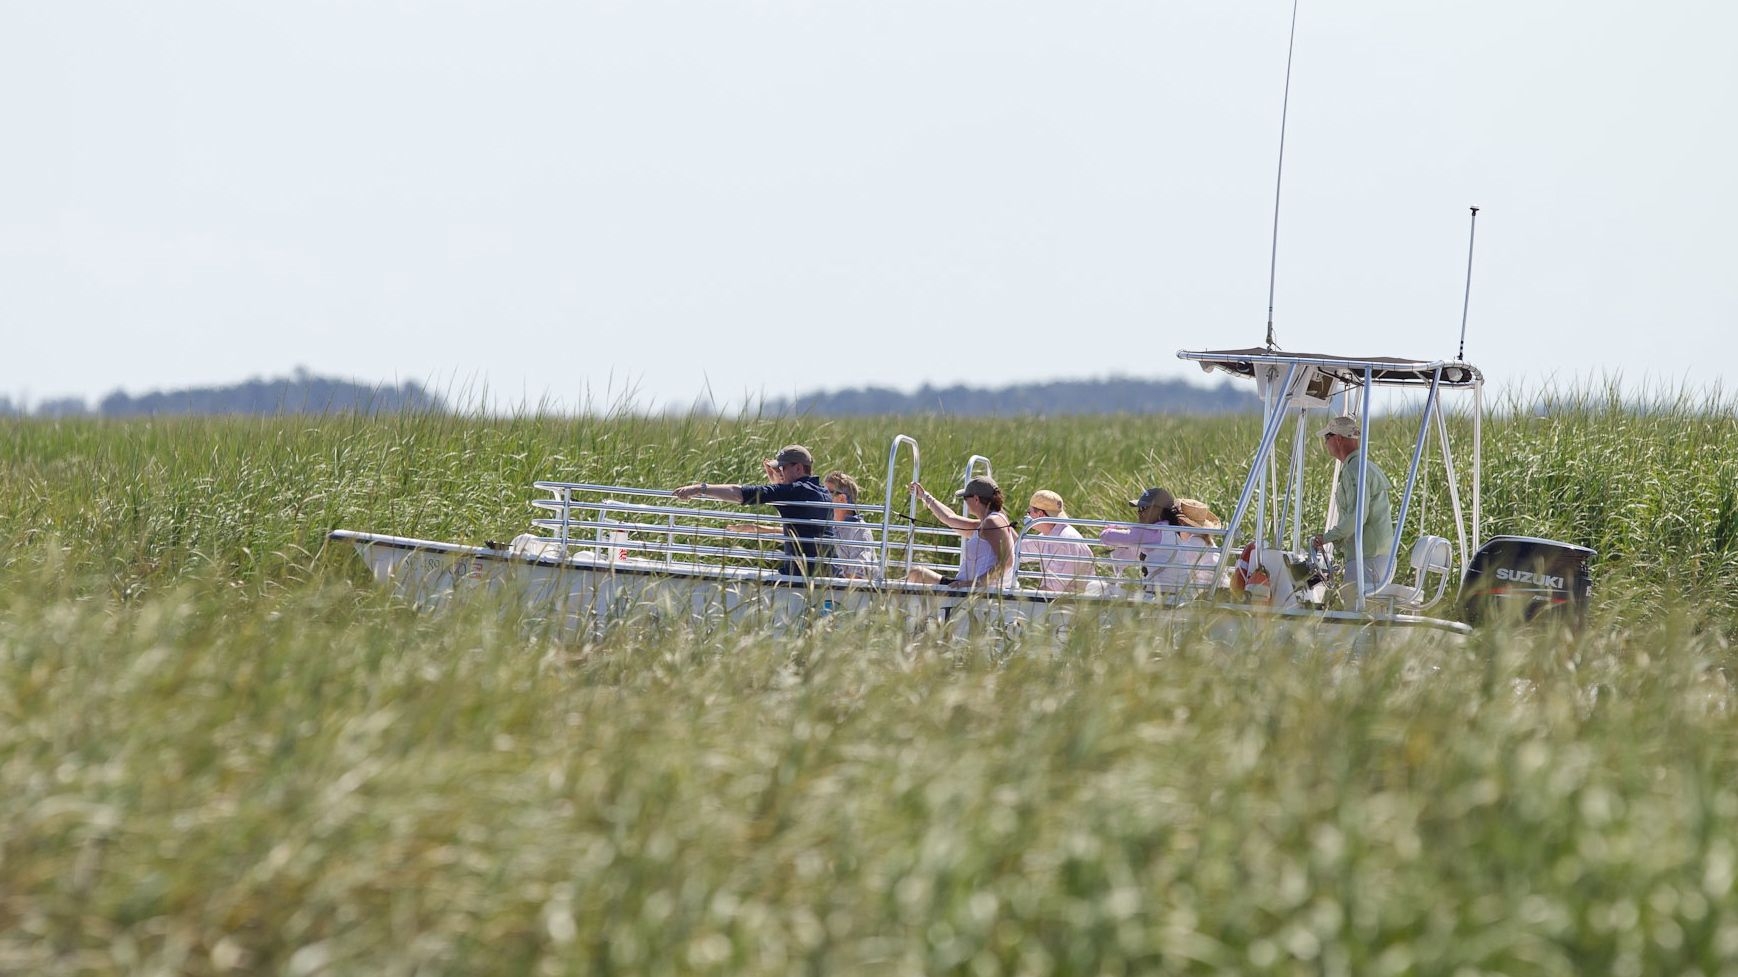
[223, 750]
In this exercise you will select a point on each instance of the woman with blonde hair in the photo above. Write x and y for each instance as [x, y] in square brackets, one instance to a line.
[854, 552]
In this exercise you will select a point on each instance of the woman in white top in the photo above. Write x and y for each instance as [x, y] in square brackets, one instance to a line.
[987, 553]
[854, 552]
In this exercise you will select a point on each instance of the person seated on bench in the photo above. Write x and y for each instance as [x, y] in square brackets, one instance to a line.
[1064, 558]
[987, 555]
[854, 553]
[1173, 561]
[802, 502]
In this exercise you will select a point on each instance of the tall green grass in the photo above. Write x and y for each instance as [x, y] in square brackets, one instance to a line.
[223, 750]
[147, 502]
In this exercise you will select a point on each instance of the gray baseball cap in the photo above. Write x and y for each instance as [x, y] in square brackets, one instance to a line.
[1161, 498]
[983, 487]
[795, 454]
[1346, 426]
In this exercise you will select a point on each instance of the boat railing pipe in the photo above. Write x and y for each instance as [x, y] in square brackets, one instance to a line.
[1294, 487]
[887, 510]
[1453, 489]
[1478, 449]
[563, 503]
[1275, 422]
[705, 536]
[670, 539]
[1363, 499]
[1273, 399]
[604, 524]
[557, 505]
[558, 487]
[686, 529]
[971, 471]
[1412, 477]
[696, 540]
[566, 508]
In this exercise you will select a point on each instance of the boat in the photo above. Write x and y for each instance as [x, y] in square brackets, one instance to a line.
[598, 555]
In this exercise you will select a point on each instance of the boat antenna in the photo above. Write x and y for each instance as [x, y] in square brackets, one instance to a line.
[1284, 107]
[1471, 235]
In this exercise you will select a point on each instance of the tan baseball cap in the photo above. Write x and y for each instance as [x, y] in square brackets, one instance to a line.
[1049, 501]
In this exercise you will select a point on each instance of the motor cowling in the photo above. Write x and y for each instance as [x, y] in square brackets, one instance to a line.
[1525, 578]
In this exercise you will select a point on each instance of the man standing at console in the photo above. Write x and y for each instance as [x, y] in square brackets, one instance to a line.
[800, 498]
[1342, 439]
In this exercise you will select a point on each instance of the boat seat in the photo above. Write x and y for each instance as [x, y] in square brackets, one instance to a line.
[1433, 565]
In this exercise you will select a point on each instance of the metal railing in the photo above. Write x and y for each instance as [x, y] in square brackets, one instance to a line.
[1148, 573]
[630, 525]
[621, 525]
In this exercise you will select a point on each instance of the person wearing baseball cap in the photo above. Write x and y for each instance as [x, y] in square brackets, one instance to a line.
[1342, 438]
[987, 553]
[804, 505]
[1174, 563]
[1064, 558]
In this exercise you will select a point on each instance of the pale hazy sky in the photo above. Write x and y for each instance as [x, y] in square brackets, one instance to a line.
[563, 200]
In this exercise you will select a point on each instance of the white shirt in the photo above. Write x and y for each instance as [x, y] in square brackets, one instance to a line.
[854, 551]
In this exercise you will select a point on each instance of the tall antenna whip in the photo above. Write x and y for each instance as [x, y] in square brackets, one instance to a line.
[1471, 235]
[1284, 107]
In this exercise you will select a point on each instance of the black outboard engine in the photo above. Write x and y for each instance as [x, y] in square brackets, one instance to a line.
[1530, 579]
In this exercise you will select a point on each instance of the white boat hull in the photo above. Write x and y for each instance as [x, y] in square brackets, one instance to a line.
[589, 592]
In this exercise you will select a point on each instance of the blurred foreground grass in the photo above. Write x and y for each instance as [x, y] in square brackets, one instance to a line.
[222, 750]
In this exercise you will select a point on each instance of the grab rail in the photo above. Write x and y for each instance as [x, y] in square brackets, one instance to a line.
[887, 512]
[681, 532]
[972, 468]
[1196, 560]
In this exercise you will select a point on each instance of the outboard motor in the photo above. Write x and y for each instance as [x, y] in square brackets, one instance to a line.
[1531, 579]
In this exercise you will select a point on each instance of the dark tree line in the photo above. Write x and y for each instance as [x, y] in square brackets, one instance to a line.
[1117, 395]
[308, 394]
[301, 394]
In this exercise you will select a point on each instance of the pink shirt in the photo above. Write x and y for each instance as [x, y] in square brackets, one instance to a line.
[1175, 560]
[1065, 559]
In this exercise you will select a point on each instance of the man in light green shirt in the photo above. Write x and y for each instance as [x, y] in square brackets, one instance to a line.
[1341, 438]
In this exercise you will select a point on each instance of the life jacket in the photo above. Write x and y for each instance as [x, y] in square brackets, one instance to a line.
[1249, 580]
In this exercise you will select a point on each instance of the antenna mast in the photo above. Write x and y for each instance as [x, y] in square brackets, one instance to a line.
[1284, 107]
[1471, 235]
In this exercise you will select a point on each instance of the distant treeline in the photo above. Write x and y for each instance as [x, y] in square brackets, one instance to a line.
[308, 394]
[300, 394]
[1116, 395]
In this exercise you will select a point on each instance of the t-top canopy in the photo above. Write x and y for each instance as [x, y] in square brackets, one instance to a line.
[1384, 370]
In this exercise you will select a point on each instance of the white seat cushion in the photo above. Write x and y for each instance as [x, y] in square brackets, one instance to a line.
[1399, 593]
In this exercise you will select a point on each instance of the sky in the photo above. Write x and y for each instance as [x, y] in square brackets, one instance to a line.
[577, 204]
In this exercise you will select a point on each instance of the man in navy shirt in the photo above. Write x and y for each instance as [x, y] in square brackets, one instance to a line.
[800, 499]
